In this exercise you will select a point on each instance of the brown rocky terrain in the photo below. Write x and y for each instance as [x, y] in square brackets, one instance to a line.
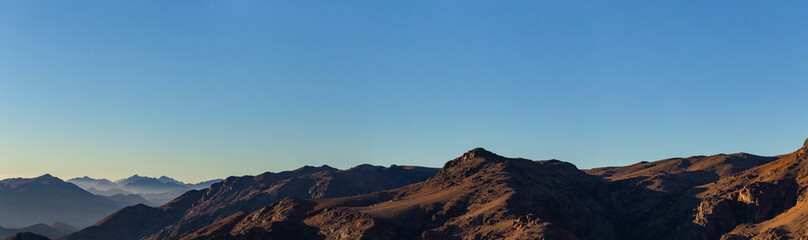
[484, 196]
[765, 202]
[198, 208]
[481, 195]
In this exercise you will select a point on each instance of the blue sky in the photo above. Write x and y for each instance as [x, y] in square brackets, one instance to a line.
[208, 89]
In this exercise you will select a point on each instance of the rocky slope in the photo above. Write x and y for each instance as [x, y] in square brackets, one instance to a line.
[479, 195]
[154, 191]
[196, 209]
[765, 202]
[655, 200]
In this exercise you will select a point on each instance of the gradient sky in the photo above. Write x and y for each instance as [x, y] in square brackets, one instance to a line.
[209, 89]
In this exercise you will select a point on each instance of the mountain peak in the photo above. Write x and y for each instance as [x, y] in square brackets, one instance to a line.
[475, 156]
[478, 153]
[310, 169]
[46, 176]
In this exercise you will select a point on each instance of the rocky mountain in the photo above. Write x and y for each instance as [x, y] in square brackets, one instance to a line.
[198, 208]
[28, 201]
[765, 202]
[656, 200]
[26, 236]
[481, 195]
[53, 230]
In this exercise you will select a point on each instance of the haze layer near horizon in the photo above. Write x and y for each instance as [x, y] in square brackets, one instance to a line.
[201, 89]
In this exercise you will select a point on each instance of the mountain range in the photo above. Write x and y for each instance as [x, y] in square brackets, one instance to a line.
[53, 230]
[156, 191]
[198, 208]
[26, 236]
[47, 199]
[482, 195]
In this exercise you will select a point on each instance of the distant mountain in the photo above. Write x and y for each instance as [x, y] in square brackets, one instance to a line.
[87, 182]
[62, 228]
[196, 209]
[204, 184]
[28, 201]
[108, 192]
[158, 199]
[156, 191]
[53, 231]
[27, 236]
[133, 178]
[129, 199]
[169, 180]
[152, 185]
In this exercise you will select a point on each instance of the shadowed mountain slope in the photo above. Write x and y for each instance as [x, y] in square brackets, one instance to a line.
[27, 236]
[766, 202]
[196, 209]
[28, 201]
[54, 230]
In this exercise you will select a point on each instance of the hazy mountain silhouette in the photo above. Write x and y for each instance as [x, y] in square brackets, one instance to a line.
[28, 201]
[53, 230]
[98, 184]
[156, 191]
[197, 209]
[27, 236]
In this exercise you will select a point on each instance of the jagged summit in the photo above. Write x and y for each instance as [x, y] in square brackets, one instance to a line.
[473, 157]
[309, 169]
[478, 152]
[804, 147]
[46, 176]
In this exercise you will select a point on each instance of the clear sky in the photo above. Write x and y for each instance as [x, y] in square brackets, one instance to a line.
[209, 89]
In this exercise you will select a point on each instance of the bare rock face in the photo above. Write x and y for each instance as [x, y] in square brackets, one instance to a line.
[769, 199]
[717, 215]
[766, 201]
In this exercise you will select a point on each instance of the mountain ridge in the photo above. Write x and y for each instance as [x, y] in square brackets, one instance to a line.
[482, 195]
[197, 208]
